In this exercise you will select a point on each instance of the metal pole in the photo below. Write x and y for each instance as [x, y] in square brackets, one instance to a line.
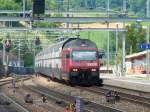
[108, 39]
[19, 53]
[89, 34]
[123, 43]
[30, 25]
[67, 24]
[34, 55]
[116, 49]
[148, 15]
[108, 48]
[7, 60]
[108, 8]
[124, 6]
[24, 8]
[123, 51]
[4, 53]
[78, 35]
[78, 104]
[68, 12]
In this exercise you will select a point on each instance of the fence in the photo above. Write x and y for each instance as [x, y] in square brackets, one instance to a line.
[21, 70]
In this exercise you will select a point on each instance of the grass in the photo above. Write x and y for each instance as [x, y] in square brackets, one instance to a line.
[142, 23]
[142, 78]
[99, 37]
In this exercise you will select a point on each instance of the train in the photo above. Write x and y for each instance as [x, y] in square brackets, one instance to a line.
[73, 60]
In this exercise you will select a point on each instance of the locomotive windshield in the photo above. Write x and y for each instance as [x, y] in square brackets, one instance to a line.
[84, 55]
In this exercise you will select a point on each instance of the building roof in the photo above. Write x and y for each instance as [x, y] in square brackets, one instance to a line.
[137, 54]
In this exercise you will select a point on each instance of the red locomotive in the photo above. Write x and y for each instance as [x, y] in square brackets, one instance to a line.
[74, 60]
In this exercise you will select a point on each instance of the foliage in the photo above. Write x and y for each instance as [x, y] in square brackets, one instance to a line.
[138, 7]
[9, 5]
[28, 57]
[134, 37]
[119, 56]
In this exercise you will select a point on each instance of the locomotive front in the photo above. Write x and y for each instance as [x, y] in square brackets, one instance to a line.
[83, 65]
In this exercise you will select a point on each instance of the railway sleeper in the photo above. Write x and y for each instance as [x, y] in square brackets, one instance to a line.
[112, 96]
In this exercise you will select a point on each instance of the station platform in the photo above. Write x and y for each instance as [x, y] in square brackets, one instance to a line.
[134, 82]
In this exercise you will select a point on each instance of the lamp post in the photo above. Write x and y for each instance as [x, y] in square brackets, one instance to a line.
[108, 51]
[108, 37]
[4, 53]
[24, 7]
[116, 54]
[123, 43]
[147, 39]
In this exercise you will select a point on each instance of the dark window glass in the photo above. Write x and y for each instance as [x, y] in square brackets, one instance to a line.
[84, 55]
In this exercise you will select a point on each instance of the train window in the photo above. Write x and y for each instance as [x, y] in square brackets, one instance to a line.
[56, 65]
[67, 55]
[84, 55]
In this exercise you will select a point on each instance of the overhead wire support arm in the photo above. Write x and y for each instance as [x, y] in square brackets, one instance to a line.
[147, 37]
[60, 29]
[75, 19]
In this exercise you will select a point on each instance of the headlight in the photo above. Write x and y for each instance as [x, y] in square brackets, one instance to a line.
[93, 70]
[75, 70]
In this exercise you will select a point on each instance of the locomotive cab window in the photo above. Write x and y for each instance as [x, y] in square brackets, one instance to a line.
[84, 55]
[67, 55]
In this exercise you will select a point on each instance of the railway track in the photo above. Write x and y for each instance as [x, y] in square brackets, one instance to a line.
[139, 97]
[4, 82]
[125, 94]
[64, 99]
[9, 105]
[95, 95]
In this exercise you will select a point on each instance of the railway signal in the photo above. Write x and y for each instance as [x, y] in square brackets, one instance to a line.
[37, 41]
[38, 7]
[7, 45]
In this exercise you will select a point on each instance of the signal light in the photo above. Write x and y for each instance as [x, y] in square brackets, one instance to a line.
[75, 70]
[37, 41]
[7, 45]
[38, 7]
[93, 70]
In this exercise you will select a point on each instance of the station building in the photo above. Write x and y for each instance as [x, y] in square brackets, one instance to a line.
[136, 63]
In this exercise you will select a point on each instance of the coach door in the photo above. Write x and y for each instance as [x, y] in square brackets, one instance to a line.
[64, 64]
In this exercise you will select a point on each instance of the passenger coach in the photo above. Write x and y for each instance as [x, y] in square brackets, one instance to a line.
[74, 60]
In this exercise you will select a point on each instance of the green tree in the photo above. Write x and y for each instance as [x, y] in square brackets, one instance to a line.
[135, 35]
[28, 59]
[9, 5]
[138, 7]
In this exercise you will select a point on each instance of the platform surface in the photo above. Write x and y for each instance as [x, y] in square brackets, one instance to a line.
[135, 82]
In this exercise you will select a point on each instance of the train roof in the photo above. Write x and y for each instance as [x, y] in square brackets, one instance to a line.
[69, 43]
[77, 42]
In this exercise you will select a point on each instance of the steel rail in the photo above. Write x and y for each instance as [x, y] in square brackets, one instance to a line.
[61, 97]
[10, 81]
[123, 96]
[18, 106]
